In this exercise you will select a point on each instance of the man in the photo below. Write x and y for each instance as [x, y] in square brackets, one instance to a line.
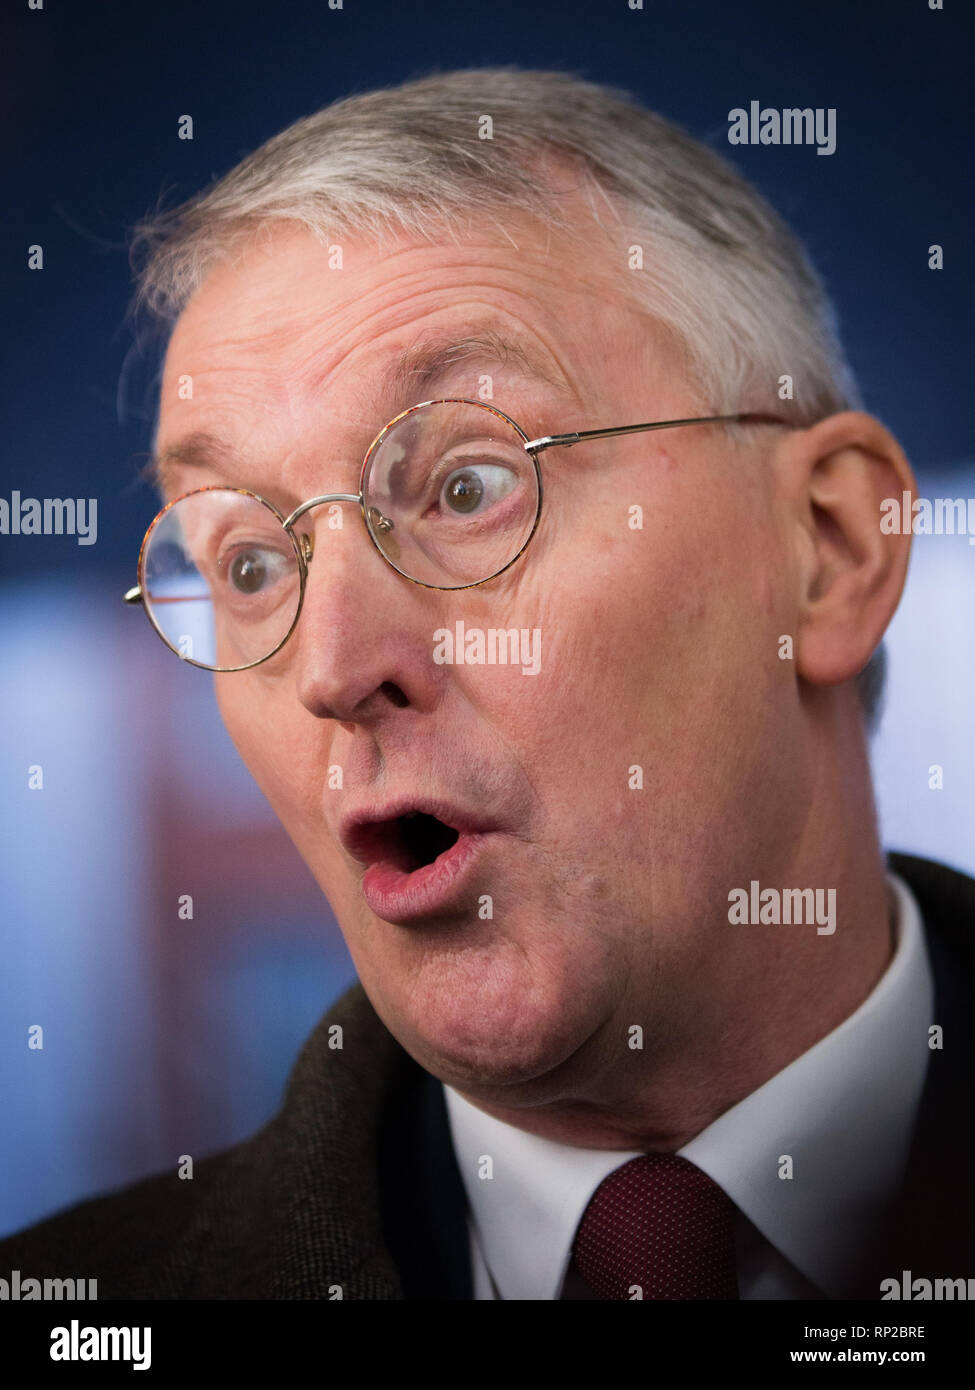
[643, 1013]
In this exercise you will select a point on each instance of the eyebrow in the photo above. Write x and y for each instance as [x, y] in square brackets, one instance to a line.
[197, 450]
[412, 374]
[432, 358]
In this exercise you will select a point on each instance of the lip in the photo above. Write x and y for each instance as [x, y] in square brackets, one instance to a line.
[400, 895]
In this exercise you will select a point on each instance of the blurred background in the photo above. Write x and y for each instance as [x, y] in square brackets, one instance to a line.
[165, 1036]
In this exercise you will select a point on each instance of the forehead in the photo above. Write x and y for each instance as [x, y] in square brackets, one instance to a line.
[291, 332]
[286, 301]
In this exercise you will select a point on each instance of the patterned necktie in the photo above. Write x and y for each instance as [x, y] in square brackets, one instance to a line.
[661, 1224]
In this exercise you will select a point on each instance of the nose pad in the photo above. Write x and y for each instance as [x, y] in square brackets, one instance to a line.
[307, 546]
[384, 525]
[381, 523]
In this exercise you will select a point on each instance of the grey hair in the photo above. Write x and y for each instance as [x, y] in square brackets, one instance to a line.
[720, 268]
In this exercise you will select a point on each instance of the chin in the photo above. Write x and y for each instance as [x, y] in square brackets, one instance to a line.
[467, 1040]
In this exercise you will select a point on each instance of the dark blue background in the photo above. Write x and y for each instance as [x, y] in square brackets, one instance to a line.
[92, 92]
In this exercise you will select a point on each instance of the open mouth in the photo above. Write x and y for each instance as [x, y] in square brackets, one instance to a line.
[407, 842]
[419, 839]
[420, 859]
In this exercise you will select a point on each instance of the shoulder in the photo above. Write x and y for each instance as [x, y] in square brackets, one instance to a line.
[937, 883]
[141, 1240]
[249, 1222]
[166, 1236]
[932, 1227]
[946, 899]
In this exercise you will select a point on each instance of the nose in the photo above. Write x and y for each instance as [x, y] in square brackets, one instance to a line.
[363, 646]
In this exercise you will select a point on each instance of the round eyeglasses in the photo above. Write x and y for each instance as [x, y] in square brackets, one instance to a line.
[450, 498]
[450, 494]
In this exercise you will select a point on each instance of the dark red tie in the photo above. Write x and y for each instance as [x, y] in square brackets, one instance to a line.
[660, 1225]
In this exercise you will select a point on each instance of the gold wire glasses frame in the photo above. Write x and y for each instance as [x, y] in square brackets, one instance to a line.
[379, 525]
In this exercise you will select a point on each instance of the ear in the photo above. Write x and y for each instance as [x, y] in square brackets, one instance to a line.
[851, 572]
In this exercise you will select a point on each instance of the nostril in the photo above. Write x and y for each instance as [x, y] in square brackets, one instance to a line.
[394, 694]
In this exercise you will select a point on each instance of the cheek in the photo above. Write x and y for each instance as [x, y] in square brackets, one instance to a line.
[269, 729]
[649, 624]
[570, 726]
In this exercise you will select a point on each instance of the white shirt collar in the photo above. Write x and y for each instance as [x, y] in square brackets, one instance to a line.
[844, 1111]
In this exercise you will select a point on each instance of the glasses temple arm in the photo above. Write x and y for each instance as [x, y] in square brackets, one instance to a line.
[549, 441]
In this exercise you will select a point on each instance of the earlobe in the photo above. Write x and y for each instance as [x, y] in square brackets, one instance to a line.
[853, 570]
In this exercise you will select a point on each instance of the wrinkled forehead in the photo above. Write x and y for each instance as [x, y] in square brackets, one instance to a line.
[285, 297]
[289, 328]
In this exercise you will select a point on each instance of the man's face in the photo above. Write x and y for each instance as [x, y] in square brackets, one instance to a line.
[610, 800]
